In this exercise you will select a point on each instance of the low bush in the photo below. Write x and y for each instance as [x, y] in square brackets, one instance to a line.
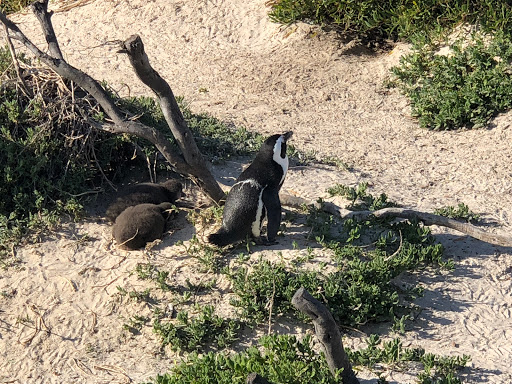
[464, 88]
[52, 153]
[283, 359]
[360, 287]
[198, 332]
[49, 152]
[408, 19]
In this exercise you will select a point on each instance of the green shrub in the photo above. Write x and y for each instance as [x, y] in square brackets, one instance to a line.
[269, 286]
[394, 18]
[359, 194]
[436, 369]
[49, 153]
[463, 89]
[197, 333]
[460, 212]
[11, 6]
[359, 290]
[216, 140]
[283, 359]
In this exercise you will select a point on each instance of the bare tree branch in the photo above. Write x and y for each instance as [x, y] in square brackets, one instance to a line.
[403, 213]
[196, 170]
[134, 47]
[327, 332]
[40, 9]
[16, 63]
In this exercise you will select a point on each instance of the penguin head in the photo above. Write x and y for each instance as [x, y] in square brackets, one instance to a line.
[279, 153]
[279, 150]
[275, 147]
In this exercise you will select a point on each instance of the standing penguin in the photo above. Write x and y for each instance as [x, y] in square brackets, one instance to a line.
[255, 195]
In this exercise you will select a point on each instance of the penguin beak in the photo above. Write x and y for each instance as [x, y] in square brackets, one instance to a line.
[287, 135]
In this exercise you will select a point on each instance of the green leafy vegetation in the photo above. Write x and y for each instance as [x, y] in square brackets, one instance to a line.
[407, 19]
[359, 198]
[283, 359]
[464, 88]
[50, 155]
[52, 158]
[359, 288]
[137, 296]
[357, 284]
[267, 287]
[461, 212]
[135, 324]
[196, 333]
[216, 140]
[150, 272]
[436, 369]
[11, 6]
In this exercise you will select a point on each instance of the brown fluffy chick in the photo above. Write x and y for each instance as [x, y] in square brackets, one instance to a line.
[143, 193]
[140, 224]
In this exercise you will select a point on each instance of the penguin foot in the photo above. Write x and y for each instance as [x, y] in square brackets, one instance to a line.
[264, 241]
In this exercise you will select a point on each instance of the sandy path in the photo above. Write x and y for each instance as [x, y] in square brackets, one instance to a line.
[226, 58]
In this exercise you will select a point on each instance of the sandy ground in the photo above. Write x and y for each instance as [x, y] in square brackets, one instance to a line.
[61, 316]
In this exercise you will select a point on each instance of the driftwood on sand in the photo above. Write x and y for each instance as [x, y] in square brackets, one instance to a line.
[327, 332]
[427, 219]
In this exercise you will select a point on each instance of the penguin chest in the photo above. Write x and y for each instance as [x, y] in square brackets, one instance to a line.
[260, 215]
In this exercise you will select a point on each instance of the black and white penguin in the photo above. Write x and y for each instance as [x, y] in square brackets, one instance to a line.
[255, 195]
[145, 193]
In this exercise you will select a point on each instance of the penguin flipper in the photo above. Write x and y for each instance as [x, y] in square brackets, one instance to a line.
[272, 205]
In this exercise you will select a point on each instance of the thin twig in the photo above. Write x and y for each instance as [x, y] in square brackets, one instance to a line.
[398, 250]
[106, 285]
[115, 369]
[271, 306]
[16, 64]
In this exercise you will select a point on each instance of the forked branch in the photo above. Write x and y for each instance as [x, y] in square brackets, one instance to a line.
[134, 48]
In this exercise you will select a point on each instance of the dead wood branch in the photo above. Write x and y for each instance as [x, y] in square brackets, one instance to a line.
[328, 334]
[55, 61]
[40, 9]
[16, 63]
[134, 48]
[427, 219]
